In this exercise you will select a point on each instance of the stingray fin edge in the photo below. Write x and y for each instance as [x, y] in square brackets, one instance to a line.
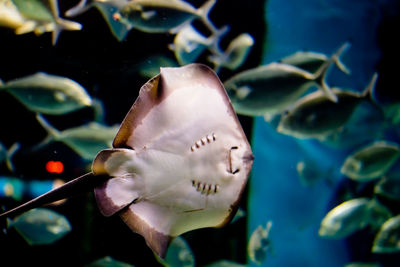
[155, 240]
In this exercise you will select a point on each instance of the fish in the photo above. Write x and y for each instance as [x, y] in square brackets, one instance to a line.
[107, 9]
[387, 240]
[345, 219]
[371, 161]
[178, 162]
[41, 226]
[86, 140]
[378, 213]
[162, 16]
[39, 16]
[270, 89]
[310, 172]
[10, 17]
[356, 132]
[47, 93]
[7, 154]
[316, 116]
[108, 262]
[260, 243]
[189, 44]
[388, 186]
[352, 216]
[179, 254]
[235, 54]
[312, 61]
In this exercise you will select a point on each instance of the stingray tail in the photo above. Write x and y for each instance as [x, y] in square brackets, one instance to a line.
[321, 73]
[77, 186]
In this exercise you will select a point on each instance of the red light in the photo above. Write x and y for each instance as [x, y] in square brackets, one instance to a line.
[54, 166]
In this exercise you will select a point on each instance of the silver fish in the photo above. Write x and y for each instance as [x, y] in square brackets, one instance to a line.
[345, 219]
[48, 94]
[235, 54]
[161, 16]
[309, 172]
[189, 44]
[259, 244]
[316, 116]
[312, 61]
[388, 238]
[42, 16]
[10, 17]
[356, 131]
[86, 140]
[107, 9]
[371, 162]
[389, 186]
[41, 226]
[179, 162]
[270, 89]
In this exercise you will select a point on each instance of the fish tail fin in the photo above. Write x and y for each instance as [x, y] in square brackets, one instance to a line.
[76, 186]
[338, 60]
[80, 8]
[61, 24]
[369, 90]
[203, 13]
[46, 125]
[218, 56]
[319, 78]
[321, 73]
[53, 133]
[10, 153]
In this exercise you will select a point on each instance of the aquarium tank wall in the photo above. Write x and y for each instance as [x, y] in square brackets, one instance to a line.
[312, 83]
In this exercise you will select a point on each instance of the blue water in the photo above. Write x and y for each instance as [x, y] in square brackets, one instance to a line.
[275, 191]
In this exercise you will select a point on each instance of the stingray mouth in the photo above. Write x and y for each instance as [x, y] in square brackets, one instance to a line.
[232, 161]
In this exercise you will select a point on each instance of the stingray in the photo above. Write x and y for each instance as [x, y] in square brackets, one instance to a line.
[179, 162]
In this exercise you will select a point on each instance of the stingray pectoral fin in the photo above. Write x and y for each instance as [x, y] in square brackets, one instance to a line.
[152, 222]
[115, 194]
[124, 185]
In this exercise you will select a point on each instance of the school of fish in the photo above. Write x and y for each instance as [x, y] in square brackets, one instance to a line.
[291, 94]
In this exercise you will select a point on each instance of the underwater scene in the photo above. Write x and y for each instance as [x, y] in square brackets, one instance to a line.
[209, 133]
